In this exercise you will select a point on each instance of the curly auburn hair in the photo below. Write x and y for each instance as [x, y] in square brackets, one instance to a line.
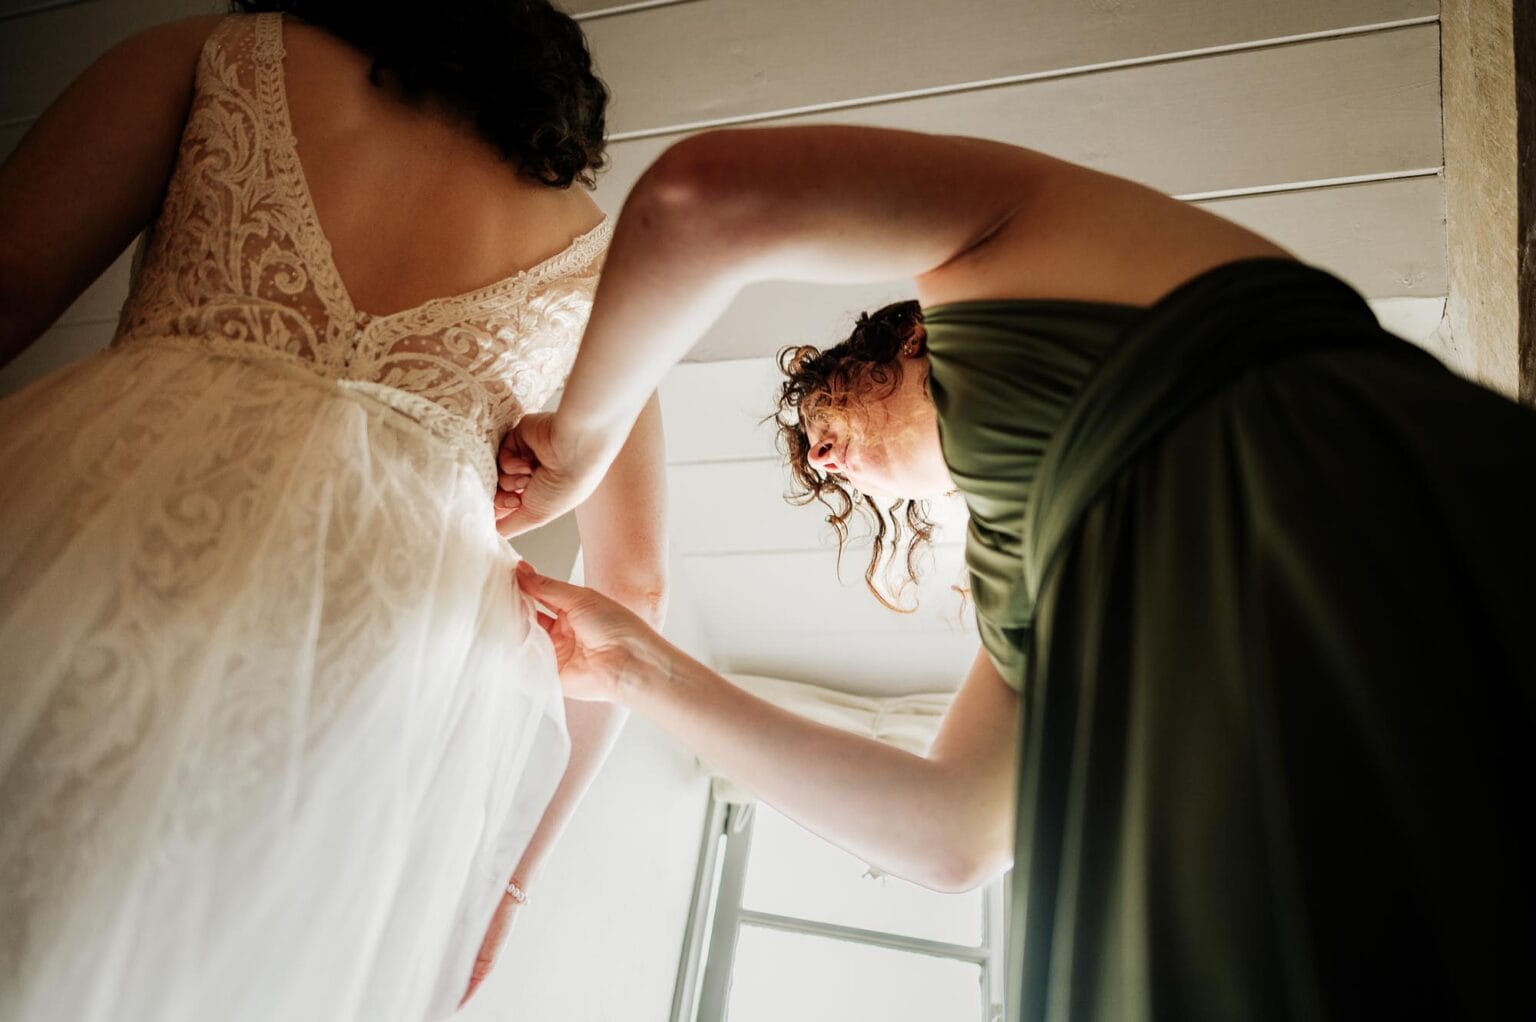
[518, 70]
[824, 385]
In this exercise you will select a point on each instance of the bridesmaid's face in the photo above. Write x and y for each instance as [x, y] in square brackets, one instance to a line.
[887, 446]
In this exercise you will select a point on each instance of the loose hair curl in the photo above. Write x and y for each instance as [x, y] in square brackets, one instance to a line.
[517, 70]
[821, 385]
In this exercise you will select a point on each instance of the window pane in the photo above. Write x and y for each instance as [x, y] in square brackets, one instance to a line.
[792, 872]
[782, 976]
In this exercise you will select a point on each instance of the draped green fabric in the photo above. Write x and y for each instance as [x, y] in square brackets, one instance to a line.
[1265, 578]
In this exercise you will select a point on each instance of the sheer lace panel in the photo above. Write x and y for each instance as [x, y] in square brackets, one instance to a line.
[237, 264]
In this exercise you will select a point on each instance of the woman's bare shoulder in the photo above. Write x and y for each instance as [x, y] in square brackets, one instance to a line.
[1081, 234]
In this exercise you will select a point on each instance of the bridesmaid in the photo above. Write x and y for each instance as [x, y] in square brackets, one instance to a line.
[1253, 577]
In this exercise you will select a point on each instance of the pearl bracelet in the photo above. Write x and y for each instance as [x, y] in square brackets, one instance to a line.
[518, 894]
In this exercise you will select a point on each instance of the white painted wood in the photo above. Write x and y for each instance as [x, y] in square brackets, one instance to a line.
[714, 412]
[867, 663]
[767, 317]
[57, 348]
[800, 590]
[552, 548]
[788, 616]
[728, 59]
[1385, 238]
[1313, 111]
[1413, 319]
[42, 53]
[739, 507]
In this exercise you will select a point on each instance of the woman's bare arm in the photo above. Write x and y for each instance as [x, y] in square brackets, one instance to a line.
[944, 821]
[90, 175]
[966, 218]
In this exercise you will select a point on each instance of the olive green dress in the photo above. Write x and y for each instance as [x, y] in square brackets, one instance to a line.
[1265, 578]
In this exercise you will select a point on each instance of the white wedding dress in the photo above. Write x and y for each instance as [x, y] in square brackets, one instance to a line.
[275, 723]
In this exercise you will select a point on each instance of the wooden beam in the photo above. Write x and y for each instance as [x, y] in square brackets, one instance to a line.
[1480, 189]
[1525, 161]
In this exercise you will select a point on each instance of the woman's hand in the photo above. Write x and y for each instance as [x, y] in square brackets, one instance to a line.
[603, 650]
[544, 471]
[490, 947]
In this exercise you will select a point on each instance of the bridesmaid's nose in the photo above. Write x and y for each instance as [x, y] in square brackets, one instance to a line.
[823, 453]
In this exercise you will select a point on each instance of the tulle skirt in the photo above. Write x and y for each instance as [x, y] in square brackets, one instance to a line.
[275, 722]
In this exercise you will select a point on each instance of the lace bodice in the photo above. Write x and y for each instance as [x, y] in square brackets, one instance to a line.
[237, 262]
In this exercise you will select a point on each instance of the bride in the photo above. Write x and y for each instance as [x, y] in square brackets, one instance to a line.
[278, 733]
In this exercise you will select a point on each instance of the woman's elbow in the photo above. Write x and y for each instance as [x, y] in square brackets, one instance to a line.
[645, 598]
[961, 870]
[701, 185]
[651, 605]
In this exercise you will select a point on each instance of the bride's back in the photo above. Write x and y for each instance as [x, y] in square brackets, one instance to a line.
[415, 202]
[419, 243]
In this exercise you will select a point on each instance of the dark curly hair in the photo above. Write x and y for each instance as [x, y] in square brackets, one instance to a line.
[866, 367]
[518, 70]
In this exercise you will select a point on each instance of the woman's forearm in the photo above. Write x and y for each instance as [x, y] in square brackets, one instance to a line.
[910, 816]
[594, 728]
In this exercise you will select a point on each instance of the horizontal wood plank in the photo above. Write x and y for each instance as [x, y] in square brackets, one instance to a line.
[891, 663]
[1316, 111]
[744, 58]
[788, 616]
[1386, 238]
[739, 507]
[715, 411]
[800, 590]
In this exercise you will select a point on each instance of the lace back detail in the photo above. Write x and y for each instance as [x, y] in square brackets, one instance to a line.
[238, 263]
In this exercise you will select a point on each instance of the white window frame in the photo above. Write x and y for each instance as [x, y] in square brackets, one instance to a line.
[703, 988]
